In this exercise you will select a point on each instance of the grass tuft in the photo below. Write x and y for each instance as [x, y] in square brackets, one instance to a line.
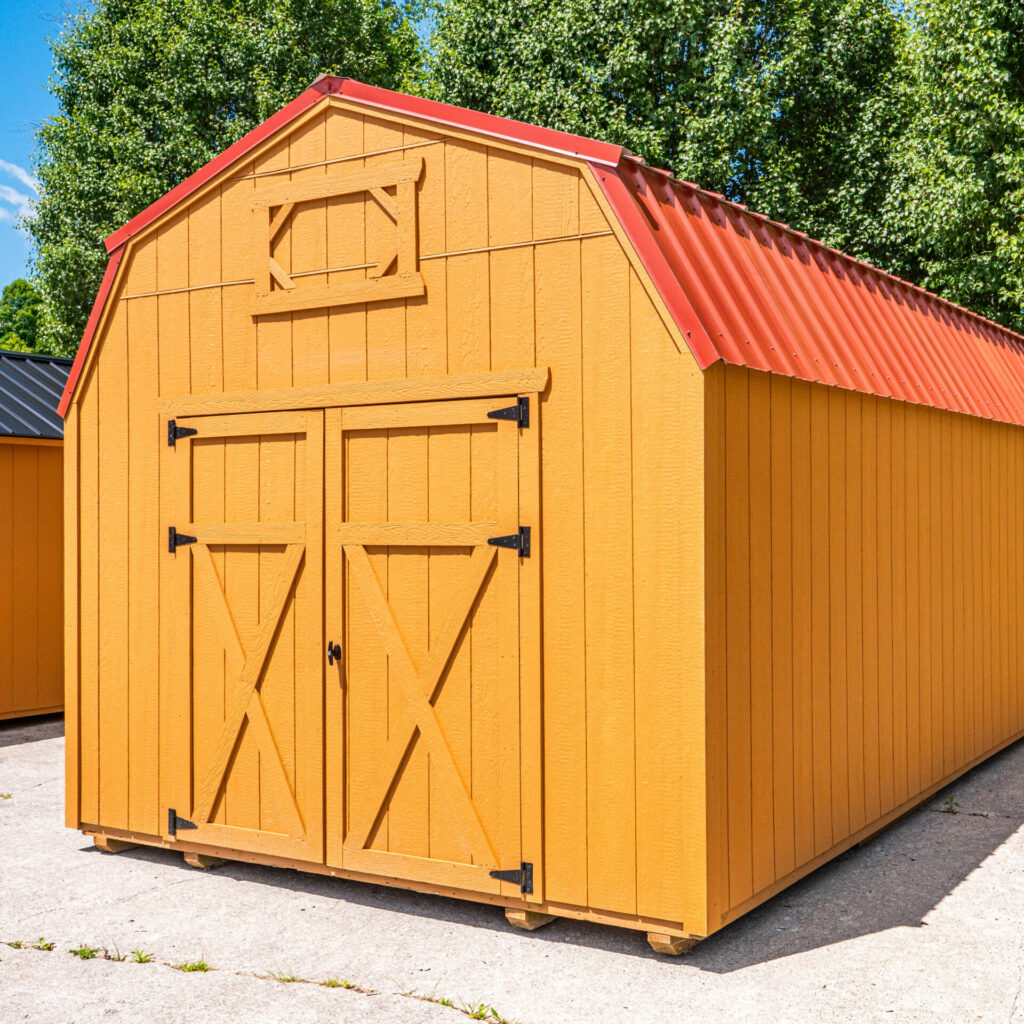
[43, 945]
[16, 944]
[193, 965]
[5, 796]
[84, 952]
[335, 983]
[286, 978]
[140, 956]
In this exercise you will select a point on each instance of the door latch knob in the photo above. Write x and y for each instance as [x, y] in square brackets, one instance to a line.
[333, 652]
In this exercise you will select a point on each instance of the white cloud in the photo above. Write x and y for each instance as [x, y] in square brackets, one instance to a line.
[16, 203]
[14, 171]
[13, 202]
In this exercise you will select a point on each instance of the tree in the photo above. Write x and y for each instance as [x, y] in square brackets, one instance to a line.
[19, 316]
[787, 105]
[149, 90]
[957, 198]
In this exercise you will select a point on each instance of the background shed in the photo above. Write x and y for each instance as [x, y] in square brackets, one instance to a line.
[31, 534]
[773, 496]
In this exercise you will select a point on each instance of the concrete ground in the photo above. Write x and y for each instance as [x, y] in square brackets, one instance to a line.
[925, 923]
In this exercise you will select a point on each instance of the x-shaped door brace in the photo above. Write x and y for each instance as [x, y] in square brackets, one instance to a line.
[420, 687]
[246, 706]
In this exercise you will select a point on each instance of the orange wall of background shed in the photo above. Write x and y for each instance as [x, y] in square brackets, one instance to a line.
[31, 578]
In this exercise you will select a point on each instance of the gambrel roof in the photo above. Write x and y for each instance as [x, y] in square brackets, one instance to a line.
[741, 288]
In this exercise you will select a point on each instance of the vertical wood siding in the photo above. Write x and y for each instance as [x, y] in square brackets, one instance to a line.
[31, 578]
[865, 580]
[521, 269]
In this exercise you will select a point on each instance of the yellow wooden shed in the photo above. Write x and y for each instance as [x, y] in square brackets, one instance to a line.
[31, 534]
[463, 505]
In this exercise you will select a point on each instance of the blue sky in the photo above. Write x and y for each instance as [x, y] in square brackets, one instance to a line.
[24, 102]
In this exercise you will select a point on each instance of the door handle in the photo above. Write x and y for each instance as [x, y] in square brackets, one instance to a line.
[333, 652]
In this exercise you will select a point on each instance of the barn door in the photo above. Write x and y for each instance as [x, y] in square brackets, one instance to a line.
[426, 613]
[243, 507]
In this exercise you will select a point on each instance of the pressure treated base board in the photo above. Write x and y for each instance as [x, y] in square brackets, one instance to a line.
[531, 911]
[4, 715]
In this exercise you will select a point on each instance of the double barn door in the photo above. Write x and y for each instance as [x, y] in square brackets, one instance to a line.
[349, 641]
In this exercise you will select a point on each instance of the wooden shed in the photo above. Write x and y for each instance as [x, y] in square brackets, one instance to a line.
[31, 534]
[462, 505]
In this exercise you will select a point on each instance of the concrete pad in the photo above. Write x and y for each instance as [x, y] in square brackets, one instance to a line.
[923, 924]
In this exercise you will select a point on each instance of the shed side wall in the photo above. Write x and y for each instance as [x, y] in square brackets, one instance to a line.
[521, 269]
[31, 578]
[865, 588]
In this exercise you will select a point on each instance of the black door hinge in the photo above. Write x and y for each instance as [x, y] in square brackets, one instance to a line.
[174, 432]
[520, 412]
[176, 540]
[176, 824]
[520, 541]
[521, 876]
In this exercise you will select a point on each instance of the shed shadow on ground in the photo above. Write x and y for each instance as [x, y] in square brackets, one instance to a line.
[14, 731]
[894, 880]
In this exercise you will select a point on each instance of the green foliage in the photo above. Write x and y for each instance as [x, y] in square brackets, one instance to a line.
[84, 952]
[140, 956]
[787, 105]
[957, 195]
[150, 90]
[19, 316]
[43, 945]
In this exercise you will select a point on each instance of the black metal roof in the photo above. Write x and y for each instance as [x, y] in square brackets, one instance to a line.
[30, 388]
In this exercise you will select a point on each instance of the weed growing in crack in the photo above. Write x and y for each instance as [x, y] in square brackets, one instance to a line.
[950, 805]
[286, 978]
[193, 965]
[481, 1011]
[140, 956]
[43, 945]
[6, 796]
[345, 983]
[16, 944]
[84, 952]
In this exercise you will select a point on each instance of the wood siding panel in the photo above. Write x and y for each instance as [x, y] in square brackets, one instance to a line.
[607, 526]
[668, 487]
[893, 612]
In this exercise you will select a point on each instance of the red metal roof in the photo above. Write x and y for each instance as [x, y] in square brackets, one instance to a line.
[756, 293]
[742, 288]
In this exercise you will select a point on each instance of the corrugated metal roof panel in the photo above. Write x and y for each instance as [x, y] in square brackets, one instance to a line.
[755, 293]
[30, 388]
